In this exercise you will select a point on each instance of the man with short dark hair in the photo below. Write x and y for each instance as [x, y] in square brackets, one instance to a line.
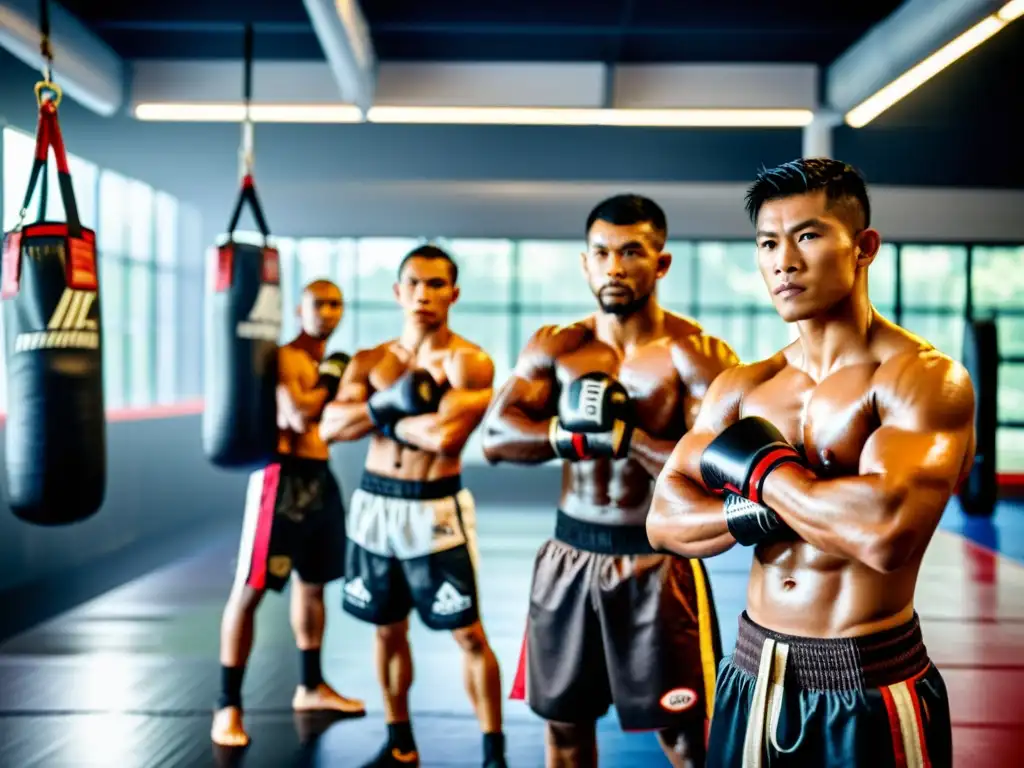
[411, 525]
[834, 459]
[610, 620]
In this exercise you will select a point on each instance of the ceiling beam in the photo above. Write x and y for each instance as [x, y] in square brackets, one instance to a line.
[490, 84]
[344, 35]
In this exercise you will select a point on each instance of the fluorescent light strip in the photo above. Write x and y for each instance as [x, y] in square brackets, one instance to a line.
[711, 118]
[327, 113]
[921, 73]
[1011, 10]
[260, 113]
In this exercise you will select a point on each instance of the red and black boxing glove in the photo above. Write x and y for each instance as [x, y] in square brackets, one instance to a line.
[594, 420]
[736, 464]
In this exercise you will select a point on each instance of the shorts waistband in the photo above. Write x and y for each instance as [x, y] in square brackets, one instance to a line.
[411, 489]
[291, 463]
[602, 539]
[854, 663]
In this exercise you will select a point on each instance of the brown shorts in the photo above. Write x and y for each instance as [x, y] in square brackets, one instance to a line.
[613, 622]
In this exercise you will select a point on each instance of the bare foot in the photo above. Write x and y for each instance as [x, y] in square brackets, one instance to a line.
[323, 697]
[228, 730]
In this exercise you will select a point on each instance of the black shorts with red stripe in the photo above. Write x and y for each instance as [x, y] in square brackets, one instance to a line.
[294, 520]
[875, 701]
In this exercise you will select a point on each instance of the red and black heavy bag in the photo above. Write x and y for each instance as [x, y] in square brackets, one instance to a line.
[979, 491]
[56, 430]
[243, 325]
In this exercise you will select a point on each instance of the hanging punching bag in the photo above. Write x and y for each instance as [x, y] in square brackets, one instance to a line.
[243, 324]
[979, 490]
[49, 287]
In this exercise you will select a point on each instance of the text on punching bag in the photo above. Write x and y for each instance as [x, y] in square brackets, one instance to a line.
[264, 320]
[69, 326]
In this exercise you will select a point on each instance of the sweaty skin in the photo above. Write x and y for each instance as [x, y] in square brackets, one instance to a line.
[887, 430]
[666, 371]
[425, 291]
[665, 363]
[666, 367]
[439, 436]
[299, 404]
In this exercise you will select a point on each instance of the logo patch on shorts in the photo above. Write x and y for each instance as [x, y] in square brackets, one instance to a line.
[679, 699]
[449, 601]
[356, 592]
[279, 566]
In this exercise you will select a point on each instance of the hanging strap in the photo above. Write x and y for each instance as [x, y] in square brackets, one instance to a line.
[48, 135]
[48, 97]
[46, 51]
[246, 152]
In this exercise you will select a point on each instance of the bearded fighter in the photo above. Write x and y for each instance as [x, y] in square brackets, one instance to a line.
[610, 620]
[294, 523]
[411, 526]
[834, 460]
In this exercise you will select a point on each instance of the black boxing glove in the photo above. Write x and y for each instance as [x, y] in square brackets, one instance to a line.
[331, 371]
[415, 392]
[743, 455]
[736, 463]
[594, 419]
[751, 523]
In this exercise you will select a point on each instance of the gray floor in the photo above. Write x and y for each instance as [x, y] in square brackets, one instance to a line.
[128, 679]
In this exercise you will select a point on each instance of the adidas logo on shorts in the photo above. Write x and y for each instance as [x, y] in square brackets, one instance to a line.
[356, 592]
[449, 600]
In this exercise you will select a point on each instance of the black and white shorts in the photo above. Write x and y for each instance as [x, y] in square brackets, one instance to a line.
[411, 545]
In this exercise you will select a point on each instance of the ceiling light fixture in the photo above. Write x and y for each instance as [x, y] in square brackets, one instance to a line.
[260, 113]
[921, 73]
[329, 113]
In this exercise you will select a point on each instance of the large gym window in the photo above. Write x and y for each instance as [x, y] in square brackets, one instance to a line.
[511, 288]
[997, 290]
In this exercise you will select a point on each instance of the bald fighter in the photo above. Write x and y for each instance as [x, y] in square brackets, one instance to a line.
[834, 460]
[411, 525]
[610, 620]
[294, 523]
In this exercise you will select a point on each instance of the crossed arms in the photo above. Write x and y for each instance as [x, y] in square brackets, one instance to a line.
[883, 517]
[461, 409]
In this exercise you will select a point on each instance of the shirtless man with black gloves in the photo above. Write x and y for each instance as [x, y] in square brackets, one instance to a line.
[834, 459]
[294, 523]
[610, 620]
[411, 524]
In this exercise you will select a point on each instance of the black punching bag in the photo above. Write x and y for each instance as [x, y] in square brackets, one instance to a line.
[56, 429]
[243, 324]
[979, 490]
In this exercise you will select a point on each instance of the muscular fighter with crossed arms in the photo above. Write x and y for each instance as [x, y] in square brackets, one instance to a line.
[411, 526]
[834, 459]
[294, 522]
[611, 621]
